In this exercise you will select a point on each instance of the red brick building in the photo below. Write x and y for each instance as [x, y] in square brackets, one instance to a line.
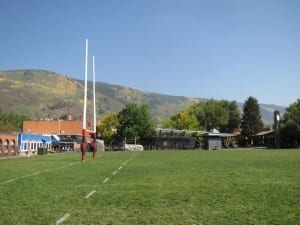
[54, 127]
[65, 129]
[8, 144]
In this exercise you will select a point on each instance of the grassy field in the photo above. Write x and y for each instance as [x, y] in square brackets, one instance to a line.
[153, 187]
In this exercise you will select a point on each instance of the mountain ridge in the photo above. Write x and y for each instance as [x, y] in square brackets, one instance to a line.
[44, 94]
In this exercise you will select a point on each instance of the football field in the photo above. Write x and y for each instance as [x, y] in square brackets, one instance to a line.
[153, 187]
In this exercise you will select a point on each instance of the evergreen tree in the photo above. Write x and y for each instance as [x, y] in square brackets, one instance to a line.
[251, 119]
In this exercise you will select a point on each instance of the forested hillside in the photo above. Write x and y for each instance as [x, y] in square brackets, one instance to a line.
[43, 94]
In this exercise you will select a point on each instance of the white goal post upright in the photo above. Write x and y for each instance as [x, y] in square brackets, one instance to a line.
[84, 144]
[94, 144]
[84, 130]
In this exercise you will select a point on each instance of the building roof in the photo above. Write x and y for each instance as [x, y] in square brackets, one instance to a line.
[263, 133]
[179, 132]
[212, 132]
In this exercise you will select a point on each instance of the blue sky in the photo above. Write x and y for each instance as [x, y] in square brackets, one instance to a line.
[221, 49]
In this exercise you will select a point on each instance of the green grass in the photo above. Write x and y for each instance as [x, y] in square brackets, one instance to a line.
[154, 187]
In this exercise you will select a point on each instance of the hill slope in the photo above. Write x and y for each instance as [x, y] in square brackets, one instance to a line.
[45, 94]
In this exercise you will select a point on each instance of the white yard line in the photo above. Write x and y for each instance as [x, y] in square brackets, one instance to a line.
[89, 185]
[119, 168]
[62, 219]
[66, 216]
[90, 194]
[38, 172]
[9, 181]
[105, 180]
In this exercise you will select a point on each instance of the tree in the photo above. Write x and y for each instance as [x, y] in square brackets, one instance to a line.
[215, 114]
[107, 127]
[234, 117]
[135, 122]
[11, 122]
[198, 111]
[251, 120]
[290, 127]
[222, 115]
[184, 120]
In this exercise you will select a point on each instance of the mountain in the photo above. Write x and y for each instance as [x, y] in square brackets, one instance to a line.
[43, 94]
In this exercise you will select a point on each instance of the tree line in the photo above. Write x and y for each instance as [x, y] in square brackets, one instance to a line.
[11, 121]
[222, 115]
[135, 121]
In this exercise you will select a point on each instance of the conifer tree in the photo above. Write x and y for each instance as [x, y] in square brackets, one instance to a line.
[251, 118]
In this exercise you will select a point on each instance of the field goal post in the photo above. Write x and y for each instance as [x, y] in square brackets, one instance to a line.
[84, 130]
